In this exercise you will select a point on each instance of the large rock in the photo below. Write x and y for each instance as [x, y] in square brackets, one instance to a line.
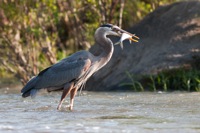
[170, 36]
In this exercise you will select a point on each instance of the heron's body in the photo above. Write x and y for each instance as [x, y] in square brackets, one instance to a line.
[68, 70]
[72, 72]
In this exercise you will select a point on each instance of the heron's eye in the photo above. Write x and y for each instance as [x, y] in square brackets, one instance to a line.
[116, 30]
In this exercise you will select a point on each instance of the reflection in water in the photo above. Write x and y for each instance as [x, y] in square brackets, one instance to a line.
[101, 112]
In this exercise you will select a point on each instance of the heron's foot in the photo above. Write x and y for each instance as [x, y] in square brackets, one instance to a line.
[70, 107]
[59, 107]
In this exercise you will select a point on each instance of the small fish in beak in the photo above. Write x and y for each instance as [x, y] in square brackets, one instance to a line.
[126, 36]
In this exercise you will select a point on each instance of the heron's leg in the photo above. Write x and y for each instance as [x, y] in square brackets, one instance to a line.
[67, 88]
[72, 95]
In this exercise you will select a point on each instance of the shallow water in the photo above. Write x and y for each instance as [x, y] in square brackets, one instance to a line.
[101, 112]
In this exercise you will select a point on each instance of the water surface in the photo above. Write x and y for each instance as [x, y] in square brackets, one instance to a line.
[101, 112]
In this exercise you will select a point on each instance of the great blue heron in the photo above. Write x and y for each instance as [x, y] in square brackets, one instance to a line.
[71, 73]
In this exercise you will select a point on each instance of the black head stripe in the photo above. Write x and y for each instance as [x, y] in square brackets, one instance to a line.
[107, 25]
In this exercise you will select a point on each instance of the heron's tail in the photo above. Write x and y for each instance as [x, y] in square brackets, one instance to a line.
[29, 89]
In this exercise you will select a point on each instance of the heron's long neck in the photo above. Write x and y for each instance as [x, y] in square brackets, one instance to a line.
[107, 50]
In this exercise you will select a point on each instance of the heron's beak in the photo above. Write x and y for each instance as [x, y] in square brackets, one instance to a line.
[125, 35]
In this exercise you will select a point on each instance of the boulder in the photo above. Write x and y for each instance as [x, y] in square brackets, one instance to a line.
[169, 38]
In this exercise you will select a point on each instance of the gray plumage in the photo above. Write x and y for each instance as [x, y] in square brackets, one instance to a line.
[57, 75]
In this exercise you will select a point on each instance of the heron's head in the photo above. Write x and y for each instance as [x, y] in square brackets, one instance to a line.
[114, 30]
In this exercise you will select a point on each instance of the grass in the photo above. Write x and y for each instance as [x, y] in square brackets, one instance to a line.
[133, 84]
[181, 79]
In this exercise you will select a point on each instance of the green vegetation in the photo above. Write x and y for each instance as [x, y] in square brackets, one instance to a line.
[134, 84]
[168, 80]
[35, 34]
[184, 79]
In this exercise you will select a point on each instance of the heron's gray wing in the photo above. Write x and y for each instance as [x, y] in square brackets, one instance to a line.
[63, 72]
